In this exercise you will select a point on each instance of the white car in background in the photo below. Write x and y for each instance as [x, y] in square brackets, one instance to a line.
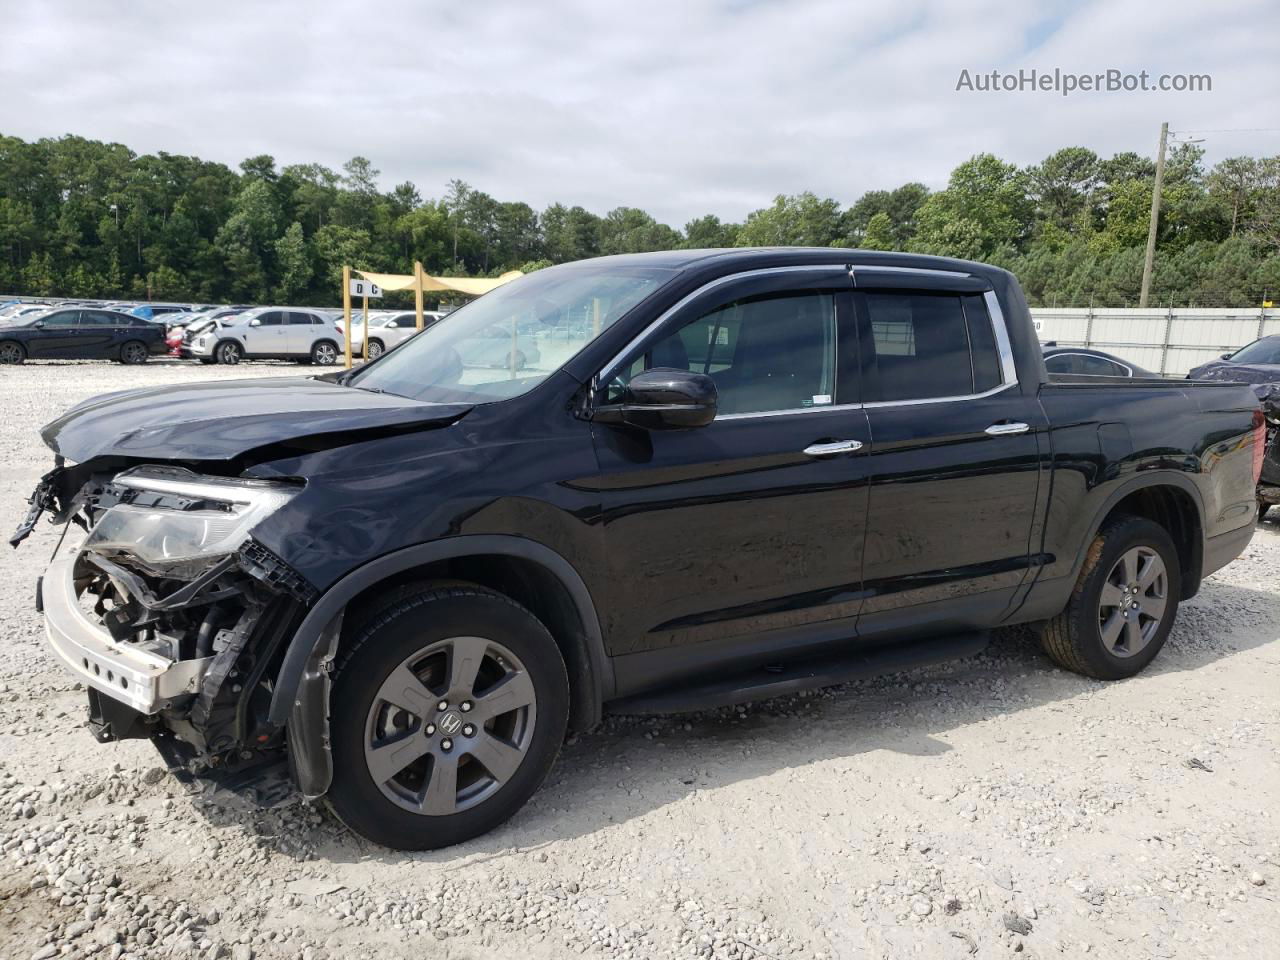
[387, 328]
[270, 333]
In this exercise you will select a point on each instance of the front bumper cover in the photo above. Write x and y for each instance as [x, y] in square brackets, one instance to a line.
[145, 681]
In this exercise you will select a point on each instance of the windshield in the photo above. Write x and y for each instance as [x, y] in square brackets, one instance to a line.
[1266, 350]
[510, 340]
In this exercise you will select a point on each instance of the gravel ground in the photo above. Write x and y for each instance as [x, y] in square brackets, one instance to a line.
[993, 805]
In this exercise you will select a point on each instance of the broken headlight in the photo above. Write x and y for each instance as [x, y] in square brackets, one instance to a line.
[177, 522]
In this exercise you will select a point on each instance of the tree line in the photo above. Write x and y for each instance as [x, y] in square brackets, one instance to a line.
[82, 218]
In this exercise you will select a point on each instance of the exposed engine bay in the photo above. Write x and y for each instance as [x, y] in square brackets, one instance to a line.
[169, 611]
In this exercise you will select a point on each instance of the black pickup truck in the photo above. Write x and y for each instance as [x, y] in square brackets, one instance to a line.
[731, 474]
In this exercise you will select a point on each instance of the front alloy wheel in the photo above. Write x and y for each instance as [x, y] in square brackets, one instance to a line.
[229, 352]
[450, 725]
[449, 705]
[11, 353]
[324, 354]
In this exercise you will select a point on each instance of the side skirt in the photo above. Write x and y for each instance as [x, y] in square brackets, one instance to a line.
[761, 683]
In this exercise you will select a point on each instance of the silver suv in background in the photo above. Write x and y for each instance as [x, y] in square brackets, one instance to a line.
[269, 333]
[386, 330]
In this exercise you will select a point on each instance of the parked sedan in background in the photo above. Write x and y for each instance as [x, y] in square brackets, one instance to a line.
[1259, 362]
[269, 333]
[1089, 362]
[75, 334]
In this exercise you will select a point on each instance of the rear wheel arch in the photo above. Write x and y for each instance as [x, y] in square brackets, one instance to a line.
[1173, 502]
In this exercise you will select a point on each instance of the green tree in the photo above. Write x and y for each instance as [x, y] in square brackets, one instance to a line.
[802, 220]
[900, 207]
[984, 208]
[879, 233]
[569, 233]
[631, 230]
[293, 264]
[706, 233]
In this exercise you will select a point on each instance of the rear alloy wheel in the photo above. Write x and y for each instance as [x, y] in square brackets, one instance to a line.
[324, 354]
[448, 710]
[1123, 605]
[11, 352]
[376, 349]
[229, 352]
[133, 353]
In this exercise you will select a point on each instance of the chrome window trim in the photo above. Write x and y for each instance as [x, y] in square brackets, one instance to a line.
[875, 404]
[820, 408]
[1008, 365]
[684, 301]
[926, 271]
[870, 405]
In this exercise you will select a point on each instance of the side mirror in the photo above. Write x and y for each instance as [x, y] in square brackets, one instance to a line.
[664, 399]
[1225, 356]
[39, 324]
[255, 322]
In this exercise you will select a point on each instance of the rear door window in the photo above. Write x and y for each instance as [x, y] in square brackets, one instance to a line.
[931, 345]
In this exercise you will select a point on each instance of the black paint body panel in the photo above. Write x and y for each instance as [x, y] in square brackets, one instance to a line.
[704, 548]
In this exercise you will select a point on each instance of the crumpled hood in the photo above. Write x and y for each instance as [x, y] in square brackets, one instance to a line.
[1239, 372]
[225, 419]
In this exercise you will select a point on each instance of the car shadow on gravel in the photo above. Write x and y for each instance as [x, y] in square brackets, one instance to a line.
[630, 766]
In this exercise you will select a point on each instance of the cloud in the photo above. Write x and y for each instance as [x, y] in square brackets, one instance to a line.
[681, 108]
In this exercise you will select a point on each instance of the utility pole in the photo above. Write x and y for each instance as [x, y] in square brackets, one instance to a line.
[1149, 265]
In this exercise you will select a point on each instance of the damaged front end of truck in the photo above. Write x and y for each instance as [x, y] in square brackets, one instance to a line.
[168, 608]
[170, 611]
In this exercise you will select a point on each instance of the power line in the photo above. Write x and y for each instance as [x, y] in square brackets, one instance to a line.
[1232, 130]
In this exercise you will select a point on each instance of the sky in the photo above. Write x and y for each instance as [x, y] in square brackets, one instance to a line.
[681, 108]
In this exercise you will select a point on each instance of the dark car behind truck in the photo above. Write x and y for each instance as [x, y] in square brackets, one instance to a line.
[77, 333]
[747, 472]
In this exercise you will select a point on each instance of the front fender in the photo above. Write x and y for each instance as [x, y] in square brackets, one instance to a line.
[300, 701]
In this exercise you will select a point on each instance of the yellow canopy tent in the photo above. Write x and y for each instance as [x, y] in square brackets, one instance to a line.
[473, 286]
[419, 282]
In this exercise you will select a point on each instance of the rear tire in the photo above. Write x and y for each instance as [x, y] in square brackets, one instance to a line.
[413, 775]
[134, 353]
[376, 349]
[228, 352]
[1101, 633]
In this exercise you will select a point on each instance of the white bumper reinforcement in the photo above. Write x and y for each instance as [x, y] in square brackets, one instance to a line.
[140, 678]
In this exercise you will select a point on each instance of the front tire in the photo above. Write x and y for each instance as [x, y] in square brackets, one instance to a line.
[324, 353]
[449, 707]
[229, 352]
[11, 352]
[376, 349]
[1124, 603]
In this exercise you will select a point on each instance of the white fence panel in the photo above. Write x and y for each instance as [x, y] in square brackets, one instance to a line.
[1166, 341]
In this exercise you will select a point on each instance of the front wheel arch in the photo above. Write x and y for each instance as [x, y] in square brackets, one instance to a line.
[520, 568]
